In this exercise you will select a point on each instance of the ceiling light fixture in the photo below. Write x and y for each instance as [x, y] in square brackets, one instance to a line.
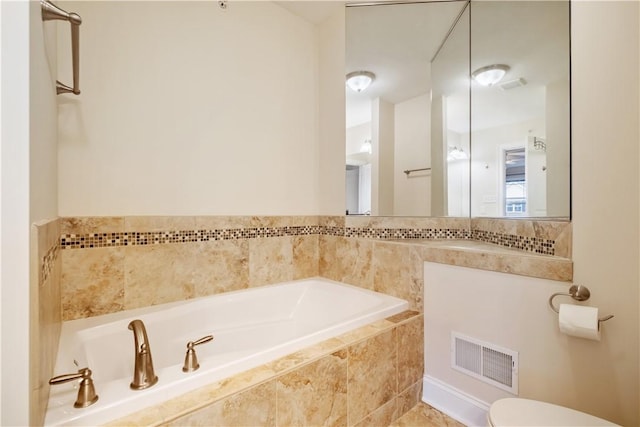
[490, 75]
[455, 153]
[366, 146]
[360, 80]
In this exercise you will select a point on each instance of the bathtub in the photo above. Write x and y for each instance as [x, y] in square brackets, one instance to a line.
[250, 328]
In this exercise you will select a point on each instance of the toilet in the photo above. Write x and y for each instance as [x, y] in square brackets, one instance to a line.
[524, 412]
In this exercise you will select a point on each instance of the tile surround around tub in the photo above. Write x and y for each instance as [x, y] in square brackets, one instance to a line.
[253, 407]
[315, 394]
[94, 281]
[46, 314]
[548, 237]
[115, 263]
[538, 236]
[120, 269]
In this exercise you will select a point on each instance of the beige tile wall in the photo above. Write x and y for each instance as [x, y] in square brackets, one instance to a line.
[560, 231]
[46, 316]
[388, 267]
[102, 280]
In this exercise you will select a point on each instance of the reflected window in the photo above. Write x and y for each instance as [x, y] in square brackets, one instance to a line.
[515, 198]
[515, 184]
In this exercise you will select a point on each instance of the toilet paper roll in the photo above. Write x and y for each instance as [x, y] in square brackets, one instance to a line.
[579, 321]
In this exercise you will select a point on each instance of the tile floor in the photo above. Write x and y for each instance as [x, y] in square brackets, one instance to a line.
[423, 415]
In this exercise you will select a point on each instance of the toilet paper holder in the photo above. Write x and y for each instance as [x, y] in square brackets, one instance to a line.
[578, 293]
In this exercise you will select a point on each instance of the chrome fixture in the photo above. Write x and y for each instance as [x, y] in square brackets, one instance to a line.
[190, 359]
[490, 75]
[360, 80]
[86, 392]
[539, 144]
[578, 293]
[143, 374]
[49, 12]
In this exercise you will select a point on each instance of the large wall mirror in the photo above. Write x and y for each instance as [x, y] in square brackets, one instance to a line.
[425, 138]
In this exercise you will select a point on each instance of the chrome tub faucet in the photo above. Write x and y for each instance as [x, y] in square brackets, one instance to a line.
[143, 373]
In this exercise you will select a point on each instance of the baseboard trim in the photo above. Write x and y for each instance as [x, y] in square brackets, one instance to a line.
[455, 403]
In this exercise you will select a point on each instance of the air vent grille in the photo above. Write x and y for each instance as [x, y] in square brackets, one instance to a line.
[468, 356]
[512, 84]
[485, 361]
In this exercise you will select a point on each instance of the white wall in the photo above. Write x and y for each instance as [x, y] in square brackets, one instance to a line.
[601, 378]
[356, 135]
[29, 194]
[14, 396]
[364, 185]
[458, 176]
[605, 194]
[558, 150]
[439, 185]
[352, 190]
[43, 126]
[412, 150]
[43, 182]
[382, 163]
[512, 312]
[190, 109]
[332, 115]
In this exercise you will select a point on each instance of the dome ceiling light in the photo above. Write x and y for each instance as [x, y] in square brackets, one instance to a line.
[490, 75]
[360, 80]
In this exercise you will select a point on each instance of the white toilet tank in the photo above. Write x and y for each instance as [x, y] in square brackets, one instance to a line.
[514, 412]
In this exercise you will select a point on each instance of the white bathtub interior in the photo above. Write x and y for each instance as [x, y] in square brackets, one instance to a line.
[250, 328]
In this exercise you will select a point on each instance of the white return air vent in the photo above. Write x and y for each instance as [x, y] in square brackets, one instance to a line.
[512, 84]
[487, 362]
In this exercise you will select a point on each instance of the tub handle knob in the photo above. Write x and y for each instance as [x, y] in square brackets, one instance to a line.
[190, 359]
[86, 392]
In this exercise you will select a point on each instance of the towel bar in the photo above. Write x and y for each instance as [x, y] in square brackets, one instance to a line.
[408, 171]
[49, 12]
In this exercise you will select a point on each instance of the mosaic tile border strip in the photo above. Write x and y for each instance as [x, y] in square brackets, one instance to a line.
[133, 238]
[332, 231]
[407, 233]
[48, 262]
[528, 244]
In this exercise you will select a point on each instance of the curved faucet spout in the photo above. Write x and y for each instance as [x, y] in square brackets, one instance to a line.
[143, 373]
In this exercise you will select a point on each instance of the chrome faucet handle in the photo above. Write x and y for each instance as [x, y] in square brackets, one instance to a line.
[190, 359]
[86, 392]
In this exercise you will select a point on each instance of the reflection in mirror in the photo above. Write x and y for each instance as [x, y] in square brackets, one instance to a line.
[389, 123]
[520, 122]
[417, 112]
[450, 118]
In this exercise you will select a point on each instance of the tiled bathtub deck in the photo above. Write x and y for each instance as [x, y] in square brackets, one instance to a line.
[367, 377]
